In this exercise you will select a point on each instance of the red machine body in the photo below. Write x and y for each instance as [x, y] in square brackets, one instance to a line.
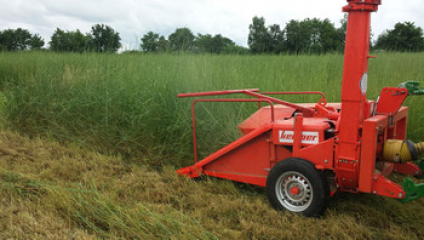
[344, 140]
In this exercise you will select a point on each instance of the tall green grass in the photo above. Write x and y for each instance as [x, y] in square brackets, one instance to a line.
[127, 104]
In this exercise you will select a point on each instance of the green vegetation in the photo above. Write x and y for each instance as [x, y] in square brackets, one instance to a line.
[19, 40]
[309, 36]
[126, 105]
[405, 37]
[297, 37]
[102, 38]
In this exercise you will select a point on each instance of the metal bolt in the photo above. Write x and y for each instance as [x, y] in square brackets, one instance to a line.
[344, 179]
[325, 161]
[375, 192]
[375, 178]
[400, 195]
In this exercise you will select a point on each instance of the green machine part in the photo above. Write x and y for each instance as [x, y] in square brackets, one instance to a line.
[413, 87]
[413, 191]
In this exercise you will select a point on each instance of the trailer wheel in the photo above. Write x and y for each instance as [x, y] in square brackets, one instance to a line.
[295, 185]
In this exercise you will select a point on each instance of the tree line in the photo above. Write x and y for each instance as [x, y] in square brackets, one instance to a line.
[309, 36]
[184, 40]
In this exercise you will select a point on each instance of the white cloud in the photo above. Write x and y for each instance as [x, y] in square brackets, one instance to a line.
[231, 18]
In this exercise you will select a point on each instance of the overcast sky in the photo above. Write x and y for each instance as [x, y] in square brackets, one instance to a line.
[231, 18]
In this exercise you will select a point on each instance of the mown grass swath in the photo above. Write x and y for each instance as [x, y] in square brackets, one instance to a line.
[52, 191]
[127, 103]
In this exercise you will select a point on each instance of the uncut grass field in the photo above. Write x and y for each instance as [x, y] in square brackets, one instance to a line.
[89, 144]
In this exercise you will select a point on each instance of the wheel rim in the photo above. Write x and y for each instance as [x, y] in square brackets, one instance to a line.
[294, 191]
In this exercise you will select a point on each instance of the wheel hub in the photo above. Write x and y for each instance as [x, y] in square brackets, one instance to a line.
[294, 191]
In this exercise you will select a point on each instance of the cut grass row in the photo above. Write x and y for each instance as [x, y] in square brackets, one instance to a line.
[127, 104]
[50, 191]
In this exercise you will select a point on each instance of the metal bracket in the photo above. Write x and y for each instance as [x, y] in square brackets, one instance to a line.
[413, 191]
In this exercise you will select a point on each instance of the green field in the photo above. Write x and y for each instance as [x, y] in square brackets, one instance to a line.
[122, 131]
[127, 104]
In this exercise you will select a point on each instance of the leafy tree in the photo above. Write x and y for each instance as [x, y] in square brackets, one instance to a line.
[163, 44]
[404, 37]
[204, 43]
[69, 41]
[328, 36]
[181, 40]
[150, 42]
[296, 35]
[60, 41]
[277, 38]
[312, 36]
[212, 44]
[15, 39]
[36, 42]
[104, 38]
[80, 42]
[259, 38]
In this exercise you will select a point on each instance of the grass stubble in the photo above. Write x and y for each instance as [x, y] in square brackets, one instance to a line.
[52, 191]
[95, 105]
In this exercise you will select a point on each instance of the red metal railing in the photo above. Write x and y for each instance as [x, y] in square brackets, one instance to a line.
[261, 97]
[322, 100]
[252, 93]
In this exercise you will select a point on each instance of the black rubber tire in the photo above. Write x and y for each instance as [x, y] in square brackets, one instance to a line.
[316, 180]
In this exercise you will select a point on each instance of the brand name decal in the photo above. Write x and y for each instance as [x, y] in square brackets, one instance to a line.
[307, 137]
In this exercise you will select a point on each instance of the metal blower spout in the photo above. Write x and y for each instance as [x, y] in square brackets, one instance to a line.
[399, 151]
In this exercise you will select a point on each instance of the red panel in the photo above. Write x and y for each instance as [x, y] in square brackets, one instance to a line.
[248, 162]
[391, 100]
[321, 154]
[263, 116]
[369, 150]
[255, 180]
[251, 158]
